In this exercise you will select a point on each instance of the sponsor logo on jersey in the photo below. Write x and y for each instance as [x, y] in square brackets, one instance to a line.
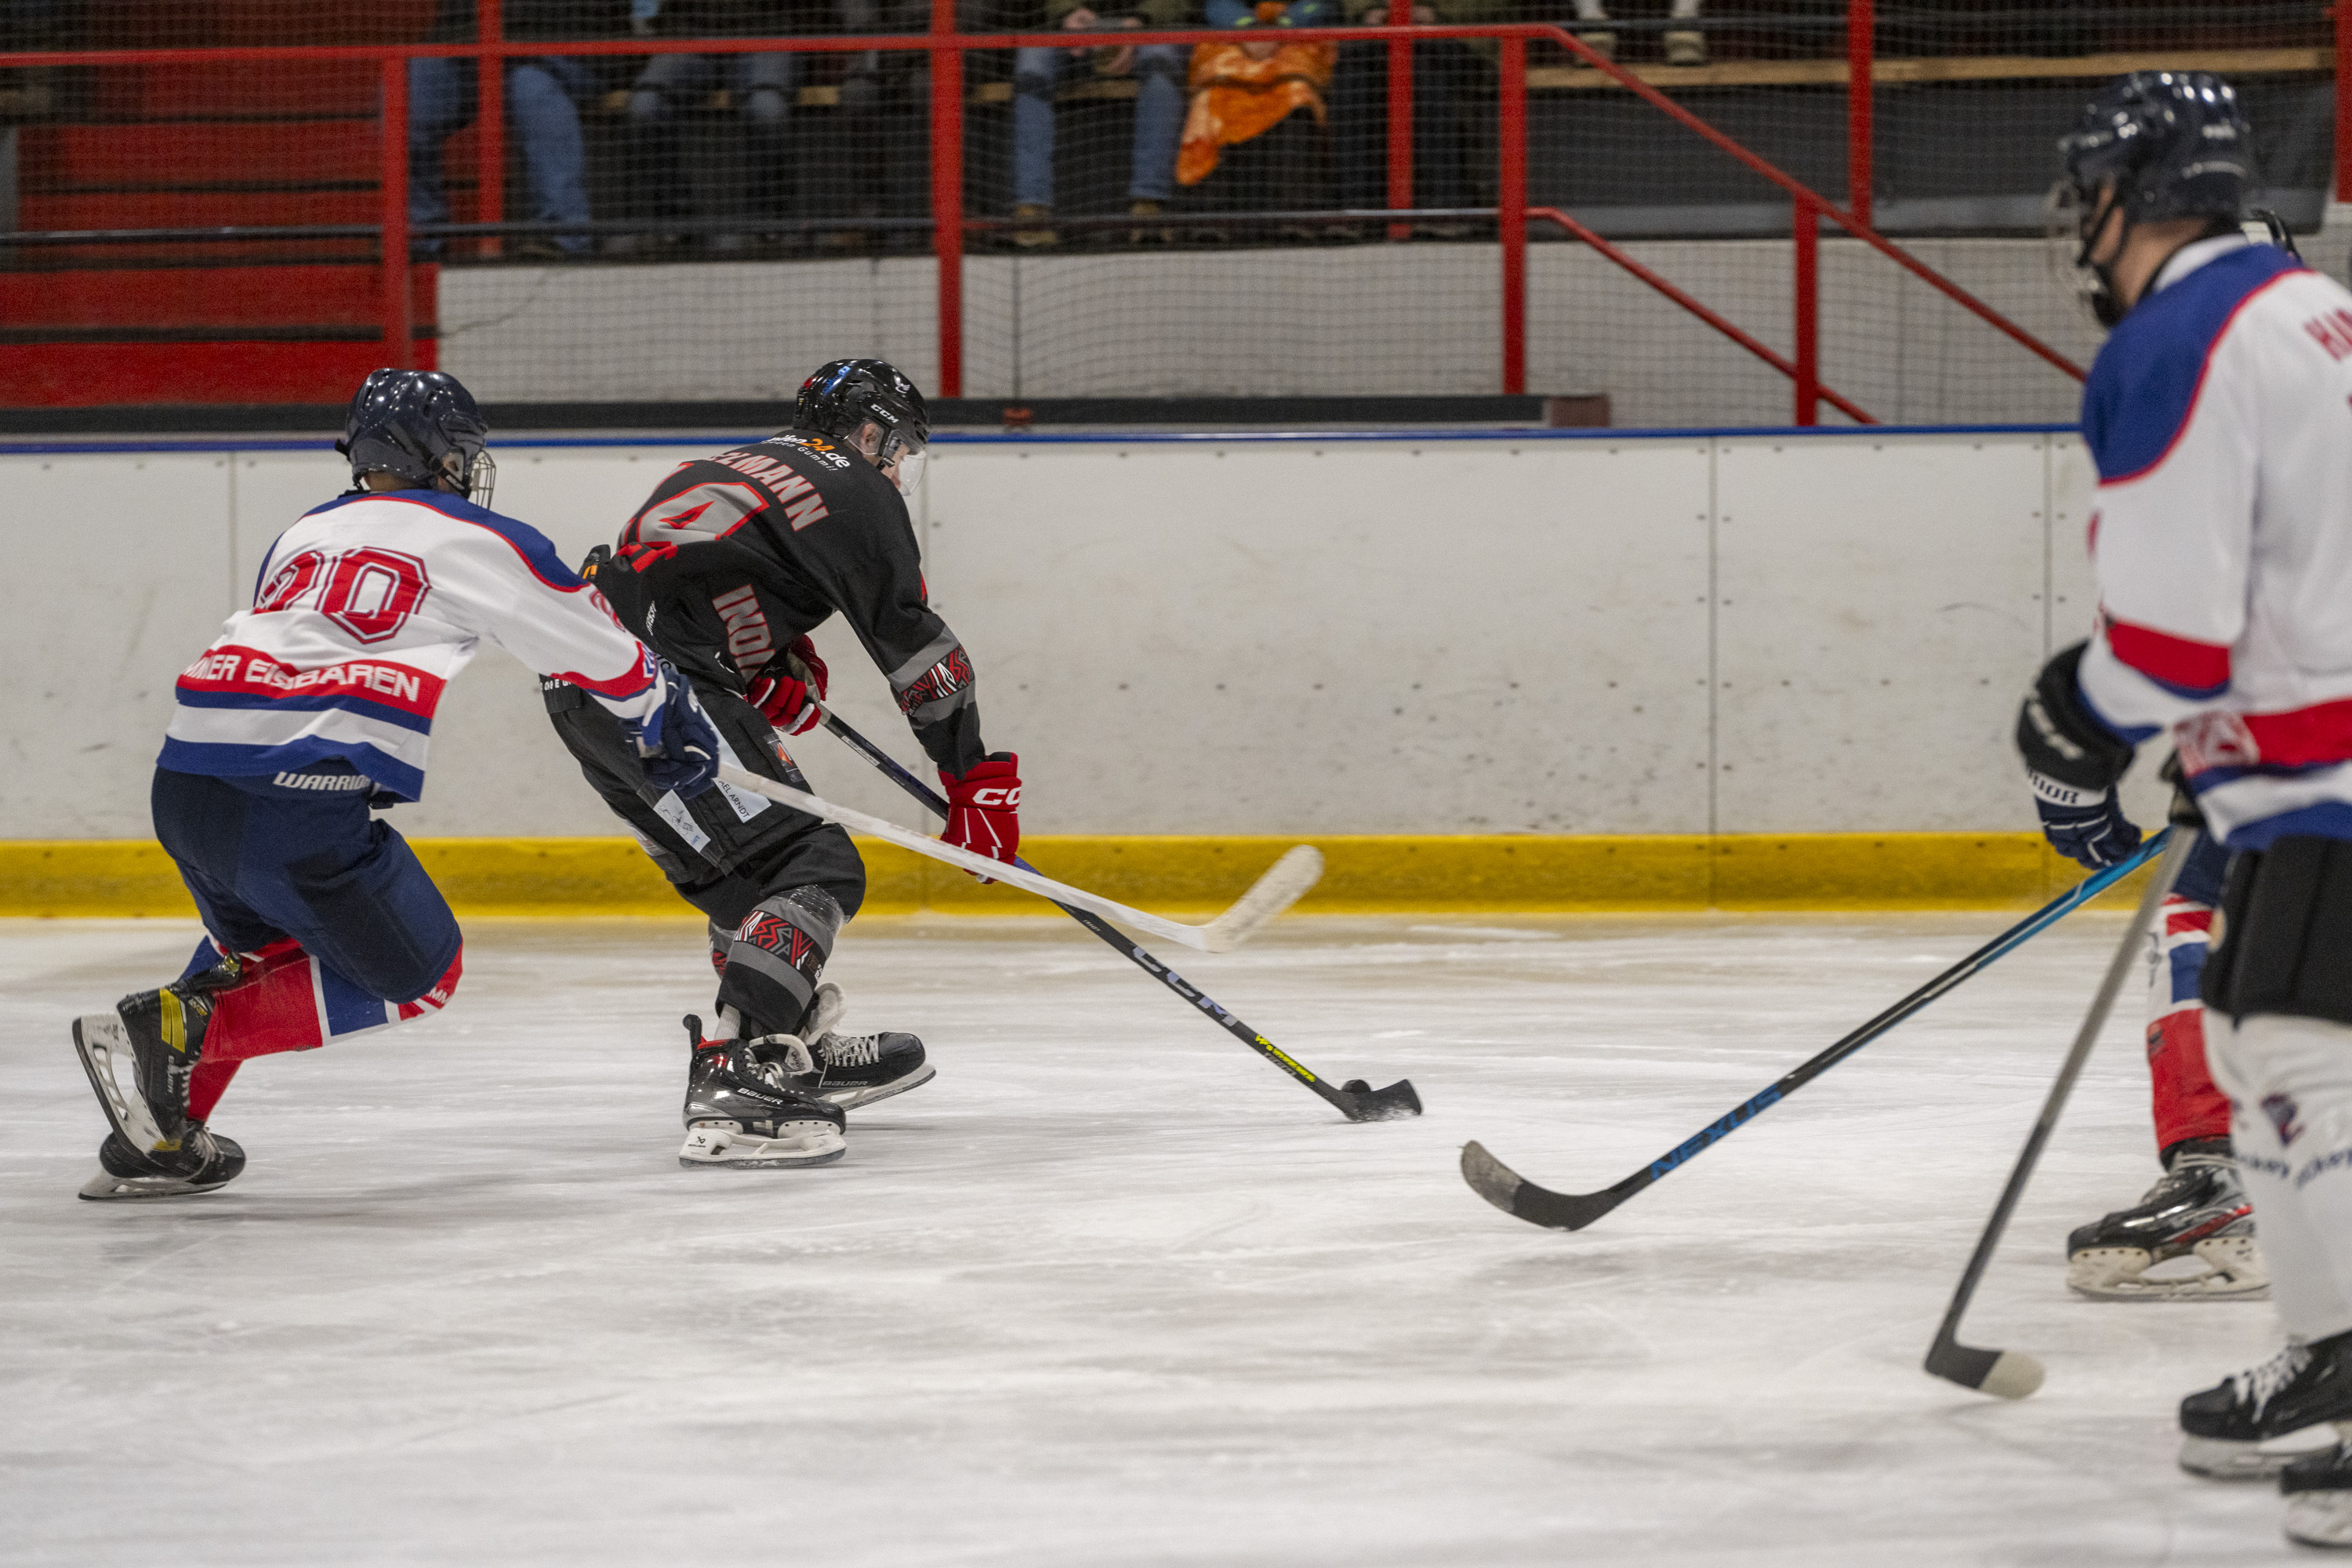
[2216, 740]
[2285, 1115]
[749, 640]
[244, 671]
[334, 782]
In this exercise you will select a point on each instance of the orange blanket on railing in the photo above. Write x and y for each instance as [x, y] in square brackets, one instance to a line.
[1236, 98]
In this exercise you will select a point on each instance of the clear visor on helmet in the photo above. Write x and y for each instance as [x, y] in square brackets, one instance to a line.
[903, 457]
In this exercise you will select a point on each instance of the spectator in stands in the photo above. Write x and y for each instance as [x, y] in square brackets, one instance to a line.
[544, 95]
[1685, 45]
[760, 89]
[1159, 106]
[1444, 72]
[1249, 91]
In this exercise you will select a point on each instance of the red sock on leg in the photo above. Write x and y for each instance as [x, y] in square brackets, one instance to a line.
[2187, 1102]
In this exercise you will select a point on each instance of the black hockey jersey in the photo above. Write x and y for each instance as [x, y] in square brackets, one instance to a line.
[736, 555]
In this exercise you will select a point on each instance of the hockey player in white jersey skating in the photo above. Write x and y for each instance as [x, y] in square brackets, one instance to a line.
[309, 706]
[2219, 417]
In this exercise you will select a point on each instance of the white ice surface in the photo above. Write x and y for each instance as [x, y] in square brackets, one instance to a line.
[1111, 1290]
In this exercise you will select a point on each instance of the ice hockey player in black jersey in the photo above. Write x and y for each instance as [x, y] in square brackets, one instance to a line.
[726, 569]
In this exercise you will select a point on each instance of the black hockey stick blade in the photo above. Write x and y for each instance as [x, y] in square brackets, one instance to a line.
[2006, 1374]
[1359, 1101]
[1522, 1199]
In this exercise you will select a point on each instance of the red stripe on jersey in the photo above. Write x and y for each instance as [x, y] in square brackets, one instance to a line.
[248, 672]
[2304, 737]
[2179, 923]
[2178, 662]
[628, 683]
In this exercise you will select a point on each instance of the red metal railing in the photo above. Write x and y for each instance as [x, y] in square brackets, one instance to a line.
[946, 49]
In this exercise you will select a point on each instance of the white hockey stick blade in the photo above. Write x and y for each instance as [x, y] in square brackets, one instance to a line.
[1285, 883]
[1282, 886]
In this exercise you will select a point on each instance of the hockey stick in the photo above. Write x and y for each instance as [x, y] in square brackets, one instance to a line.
[2013, 1374]
[1514, 1194]
[1282, 886]
[1356, 1099]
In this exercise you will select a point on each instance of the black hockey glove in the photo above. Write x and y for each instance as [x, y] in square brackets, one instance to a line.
[2073, 763]
[677, 746]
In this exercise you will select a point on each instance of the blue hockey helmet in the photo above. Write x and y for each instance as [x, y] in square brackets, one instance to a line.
[2174, 143]
[422, 426]
[845, 394]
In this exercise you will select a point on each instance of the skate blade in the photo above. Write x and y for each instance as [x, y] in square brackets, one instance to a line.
[106, 1188]
[2220, 1459]
[796, 1143]
[2320, 1519]
[2233, 1272]
[866, 1094]
[104, 1047]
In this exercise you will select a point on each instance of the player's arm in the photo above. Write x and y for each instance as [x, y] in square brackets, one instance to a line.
[2171, 541]
[516, 591]
[931, 675]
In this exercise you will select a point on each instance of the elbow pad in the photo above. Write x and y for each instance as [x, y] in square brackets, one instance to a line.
[2061, 738]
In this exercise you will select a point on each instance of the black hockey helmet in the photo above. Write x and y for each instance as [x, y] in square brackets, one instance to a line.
[2176, 144]
[423, 426]
[846, 393]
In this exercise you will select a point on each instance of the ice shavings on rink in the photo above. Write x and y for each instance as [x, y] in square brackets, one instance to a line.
[1112, 1290]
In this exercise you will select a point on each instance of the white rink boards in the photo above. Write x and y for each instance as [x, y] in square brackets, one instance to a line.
[1539, 633]
[1111, 1290]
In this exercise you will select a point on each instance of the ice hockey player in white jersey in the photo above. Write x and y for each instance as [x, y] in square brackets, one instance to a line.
[2219, 417]
[310, 706]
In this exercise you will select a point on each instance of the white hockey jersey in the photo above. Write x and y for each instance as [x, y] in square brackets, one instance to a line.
[363, 612]
[2219, 415]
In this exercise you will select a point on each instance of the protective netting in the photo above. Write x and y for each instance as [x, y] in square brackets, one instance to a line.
[661, 222]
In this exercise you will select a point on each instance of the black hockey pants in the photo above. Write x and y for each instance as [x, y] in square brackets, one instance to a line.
[775, 883]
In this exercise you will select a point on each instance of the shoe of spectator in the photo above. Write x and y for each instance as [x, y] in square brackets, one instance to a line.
[1143, 207]
[1033, 212]
[1685, 48]
[1601, 42]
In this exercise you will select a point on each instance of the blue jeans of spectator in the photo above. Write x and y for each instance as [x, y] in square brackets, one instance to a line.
[1158, 121]
[542, 96]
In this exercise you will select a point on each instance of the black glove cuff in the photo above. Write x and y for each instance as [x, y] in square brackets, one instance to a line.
[2058, 736]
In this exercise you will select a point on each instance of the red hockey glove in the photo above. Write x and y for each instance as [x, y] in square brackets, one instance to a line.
[783, 696]
[985, 808]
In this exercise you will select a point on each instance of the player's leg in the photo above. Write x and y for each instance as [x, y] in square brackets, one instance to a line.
[323, 924]
[2285, 1061]
[775, 920]
[751, 1084]
[2199, 1208]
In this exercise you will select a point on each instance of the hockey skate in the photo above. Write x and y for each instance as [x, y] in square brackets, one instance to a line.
[140, 1058]
[860, 1069]
[2318, 1490]
[2224, 1427]
[204, 1163]
[749, 1103]
[2197, 1210]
